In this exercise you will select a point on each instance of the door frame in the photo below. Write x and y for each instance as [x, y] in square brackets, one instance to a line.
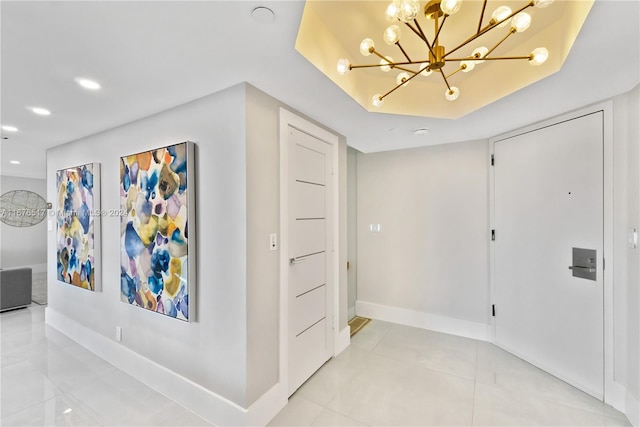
[614, 393]
[286, 119]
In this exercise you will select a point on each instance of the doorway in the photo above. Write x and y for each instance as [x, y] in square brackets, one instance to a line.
[309, 253]
[549, 198]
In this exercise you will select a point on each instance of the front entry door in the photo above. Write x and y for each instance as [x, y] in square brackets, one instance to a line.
[549, 200]
[310, 321]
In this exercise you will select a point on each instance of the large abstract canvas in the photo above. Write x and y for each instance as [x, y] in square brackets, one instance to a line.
[78, 232]
[157, 249]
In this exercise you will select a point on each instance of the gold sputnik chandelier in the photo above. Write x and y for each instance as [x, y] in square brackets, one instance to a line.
[437, 57]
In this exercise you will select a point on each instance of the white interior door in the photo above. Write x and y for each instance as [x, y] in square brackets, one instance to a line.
[549, 199]
[310, 320]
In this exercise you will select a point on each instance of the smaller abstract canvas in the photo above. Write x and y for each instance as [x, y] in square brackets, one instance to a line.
[157, 254]
[78, 231]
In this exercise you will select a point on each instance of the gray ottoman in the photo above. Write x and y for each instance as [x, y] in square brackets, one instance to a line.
[15, 288]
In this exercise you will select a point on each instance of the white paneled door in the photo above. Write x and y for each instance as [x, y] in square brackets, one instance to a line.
[548, 195]
[310, 322]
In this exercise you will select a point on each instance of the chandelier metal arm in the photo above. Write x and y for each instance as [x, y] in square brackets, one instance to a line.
[403, 69]
[398, 85]
[511, 31]
[391, 64]
[445, 79]
[460, 68]
[484, 7]
[490, 59]
[438, 29]
[488, 28]
[379, 55]
[403, 51]
[418, 33]
[423, 36]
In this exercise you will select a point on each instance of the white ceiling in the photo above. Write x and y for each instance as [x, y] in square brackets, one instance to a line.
[153, 55]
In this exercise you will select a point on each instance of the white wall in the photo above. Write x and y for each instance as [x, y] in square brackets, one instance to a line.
[24, 246]
[212, 351]
[627, 259]
[431, 255]
[263, 215]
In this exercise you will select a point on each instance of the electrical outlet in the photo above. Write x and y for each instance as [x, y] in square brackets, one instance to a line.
[273, 242]
[118, 334]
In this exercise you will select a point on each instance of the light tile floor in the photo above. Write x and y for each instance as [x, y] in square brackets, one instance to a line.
[390, 375]
[398, 375]
[46, 379]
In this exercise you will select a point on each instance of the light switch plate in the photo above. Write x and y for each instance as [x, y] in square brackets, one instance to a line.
[633, 238]
[273, 242]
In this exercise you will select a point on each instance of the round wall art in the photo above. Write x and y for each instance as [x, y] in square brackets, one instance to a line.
[22, 208]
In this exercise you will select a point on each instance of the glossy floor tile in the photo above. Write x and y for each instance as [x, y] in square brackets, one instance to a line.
[46, 379]
[391, 375]
[394, 375]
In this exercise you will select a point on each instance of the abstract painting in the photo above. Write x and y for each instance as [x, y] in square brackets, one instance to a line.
[78, 233]
[157, 254]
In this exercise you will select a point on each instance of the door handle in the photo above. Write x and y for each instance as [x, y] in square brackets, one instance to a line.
[589, 269]
[297, 260]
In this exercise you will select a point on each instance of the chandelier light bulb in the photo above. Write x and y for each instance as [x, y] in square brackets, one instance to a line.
[479, 52]
[538, 56]
[376, 100]
[386, 68]
[452, 94]
[450, 7]
[367, 46]
[424, 69]
[344, 66]
[403, 79]
[467, 66]
[409, 10]
[542, 3]
[393, 11]
[521, 22]
[501, 13]
[391, 35]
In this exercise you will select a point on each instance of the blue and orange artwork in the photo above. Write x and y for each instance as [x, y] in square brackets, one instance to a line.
[154, 231]
[76, 238]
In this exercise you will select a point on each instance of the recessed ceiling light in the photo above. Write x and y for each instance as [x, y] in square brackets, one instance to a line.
[421, 131]
[263, 14]
[14, 162]
[40, 111]
[87, 84]
[10, 128]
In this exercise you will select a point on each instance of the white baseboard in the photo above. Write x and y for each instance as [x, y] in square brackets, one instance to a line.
[615, 394]
[632, 409]
[205, 403]
[351, 313]
[342, 341]
[420, 319]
